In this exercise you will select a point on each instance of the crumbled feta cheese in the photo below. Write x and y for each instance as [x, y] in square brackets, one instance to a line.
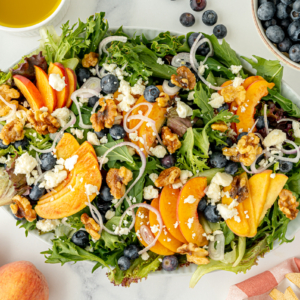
[110, 214]
[92, 138]
[131, 150]
[122, 231]
[296, 128]
[238, 219]
[185, 175]
[138, 88]
[134, 136]
[158, 151]
[216, 100]
[47, 225]
[104, 140]
[91, 189]
[70, 162]
[176, 186]
[176, 224]
[62, 115]
[214, 192]
[274, 138]
[150, 192]
[78, 133]
[190, 199]
[273, 175]
[183, 110]
[237, 81]
[190, 222]
[102, 160]
[44, 109]
[145, 256]
[154, 228]
[109, 67]
[191, 96]
[53, 178]
[235, 69]
[202, 68]
[160, 61]
[153, 176]
[225, 212]
[56, 82]
[243, 109]
[25, 164]
[71, 188]
[222, 179]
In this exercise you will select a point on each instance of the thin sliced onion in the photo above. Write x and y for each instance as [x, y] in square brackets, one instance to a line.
[95, 107]
[245, 169]
[194, 48]
[146, 234]
[287, 120]
[253, 126]
[104, 42]
[293, 160]
[92, 83]
[266, 118]
[261, 169]
[217, 253]
[38, 164]
[11, 106]
[170, 90]
[58, 135]
[177, 60]
[39, 179]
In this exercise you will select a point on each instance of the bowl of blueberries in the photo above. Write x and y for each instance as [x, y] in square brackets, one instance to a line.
[278, 23]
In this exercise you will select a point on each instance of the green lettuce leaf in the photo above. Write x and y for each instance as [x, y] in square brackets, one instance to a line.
[28, 226]
[4, 77]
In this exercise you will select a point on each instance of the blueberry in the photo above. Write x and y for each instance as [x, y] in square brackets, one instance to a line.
[225, 106]
[168, 161]
[282, 11]
[170, 263]
[92, 101]
[187, 19]
[109, 84]
[123, 263]
[23, 143]
[295, 53]
[295, 15]
[36, 192]
[220, 31]
[102, 133]
[296, 6]
[202, 205]
[211, 214]
[285, 45]
[294, 31]
[198, 5]
[117, 132]
[105, 194]
[102, 206]
[209, 18]
[285, 23]
[241, 135]
[83, 75]
[266, 11]
[151, 93]
[218, 160]
[260, 2]
[285, 166]
[228, 142]
[231, 167]
[261, 122]
[2, 146]
[131, 252]
[81, 238]
[170, 84]
[275, 34]
[203, 49]
[287, 2]
[48, 161]
[269, 23]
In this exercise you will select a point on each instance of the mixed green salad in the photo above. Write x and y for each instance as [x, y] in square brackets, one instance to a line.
[141, 154]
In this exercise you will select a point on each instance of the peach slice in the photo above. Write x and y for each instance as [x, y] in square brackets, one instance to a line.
[72, 85]
[166, 239]
[47, 92]
[254, 93]
[142, 218]
[259, 186]
[248, 81]
[75, 200]
[276, 185]
[62, 96]
[167, 207]
[66, 146]
[30, 92]
[187, 215]
[226, 83]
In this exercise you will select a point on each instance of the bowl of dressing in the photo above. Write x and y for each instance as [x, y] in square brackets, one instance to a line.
[26, 17]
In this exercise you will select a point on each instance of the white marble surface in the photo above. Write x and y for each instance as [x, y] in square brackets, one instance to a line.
[75, 282]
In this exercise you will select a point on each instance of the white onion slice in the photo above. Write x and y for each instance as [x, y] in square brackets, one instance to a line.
[180, 59]
[170, 90]
[266, 118]
[217, 253]
[293, 160]
[245, 169]
[92, 83]
[253, 126]
[104, 42]
[11, 106]
[146, 234]
[95, 107]
[286, 119]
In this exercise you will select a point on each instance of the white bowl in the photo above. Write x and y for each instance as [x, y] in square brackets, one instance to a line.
[283, 58]
[33, 30]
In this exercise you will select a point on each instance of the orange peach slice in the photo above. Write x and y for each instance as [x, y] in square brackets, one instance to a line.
[30, 92]
[72, 85]
[248, 81]
[167, 207]
[66, 146]
[187, 215]
[142, 218]
[47, 92]
[166, 239]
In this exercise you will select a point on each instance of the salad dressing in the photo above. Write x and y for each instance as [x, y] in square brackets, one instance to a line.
[21, 13]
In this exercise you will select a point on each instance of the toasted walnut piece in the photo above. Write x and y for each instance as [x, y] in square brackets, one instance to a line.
[90, 60]
[91, 226]
[43, 122]
[22, 208]
[105, 117]
[288, 204]
[8, 93]
[246, 150]
[12, 132]
[220, 126]
[116, 179]
[170, 139]
[194, 254]
[239, 189]
[237, 94]
[164, 100]
[184, 78]
[168, 176]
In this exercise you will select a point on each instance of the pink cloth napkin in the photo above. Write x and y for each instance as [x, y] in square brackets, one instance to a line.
[259, 286]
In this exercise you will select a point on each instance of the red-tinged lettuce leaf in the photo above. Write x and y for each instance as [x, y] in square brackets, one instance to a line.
[26, 68]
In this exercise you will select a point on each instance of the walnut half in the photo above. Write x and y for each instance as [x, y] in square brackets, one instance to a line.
[239, 189]
[194, 254]
[43, 122]
[184, 78]
[12, 132]
[22, 208]
[170, 139]
[168, 176]
[237, 94]
[288, 204]
[8, 93]
[91, 226]
[90, 60]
